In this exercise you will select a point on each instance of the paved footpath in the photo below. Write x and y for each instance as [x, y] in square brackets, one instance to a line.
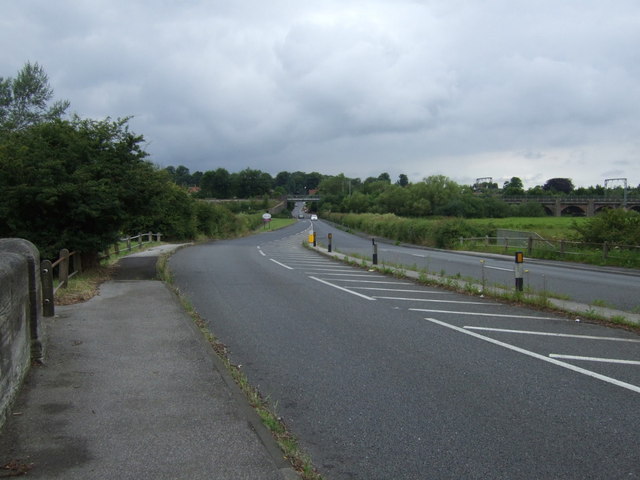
[131, 390]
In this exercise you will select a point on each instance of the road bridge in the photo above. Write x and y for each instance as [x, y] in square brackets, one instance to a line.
[303, 198]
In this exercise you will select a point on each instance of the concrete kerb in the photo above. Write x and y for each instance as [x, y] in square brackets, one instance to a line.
[564, 306]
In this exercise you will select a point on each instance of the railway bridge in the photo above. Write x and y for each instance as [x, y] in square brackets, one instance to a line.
[577, 206]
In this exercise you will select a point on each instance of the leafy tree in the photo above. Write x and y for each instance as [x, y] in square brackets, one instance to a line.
[438, 190]
[513, 187]
[356, 203]
[384, 177]
[395, 199]
[216, 184]
[558, 185]
[25, 100]
[251, 183]
[77, 184]
[614, 226]
[334, 185]
[182, 176]
[403, 180]
[466, 206]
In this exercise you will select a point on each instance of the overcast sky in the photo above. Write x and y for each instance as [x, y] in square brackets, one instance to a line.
[464, 88]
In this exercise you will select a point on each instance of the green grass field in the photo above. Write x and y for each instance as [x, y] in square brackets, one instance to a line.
[550, 228]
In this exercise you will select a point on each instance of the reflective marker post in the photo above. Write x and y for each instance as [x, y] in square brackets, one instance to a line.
[375, 251]
[330, 236]
[519, 270]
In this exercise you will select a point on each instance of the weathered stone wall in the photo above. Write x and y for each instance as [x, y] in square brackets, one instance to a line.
[20, 316]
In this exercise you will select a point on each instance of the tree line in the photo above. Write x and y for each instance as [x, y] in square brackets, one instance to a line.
[434, 195]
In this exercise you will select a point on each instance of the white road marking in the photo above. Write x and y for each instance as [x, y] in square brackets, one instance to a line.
[604, 378]
[355, 275]
[433, 300]
[342, 288]
[594, 359]
[499, 268]
[261, 252]
[484, 314]
[551, 334]
[375, 281]
[337, 269]
[281, 264]
[431, 292]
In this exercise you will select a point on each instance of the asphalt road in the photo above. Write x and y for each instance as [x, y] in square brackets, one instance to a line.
[380, 378]
[616, 287]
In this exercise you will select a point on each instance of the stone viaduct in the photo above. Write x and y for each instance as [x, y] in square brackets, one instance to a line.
[577, 206]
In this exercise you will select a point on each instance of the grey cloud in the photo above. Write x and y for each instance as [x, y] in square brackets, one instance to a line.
[461, 88]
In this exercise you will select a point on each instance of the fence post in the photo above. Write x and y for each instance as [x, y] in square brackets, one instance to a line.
[116, 248]
[562, 247]
[530, 246]
[46, 275]
[129, 243]
[63, 269]
[506, 244]
[158, 236]
[150, 238]
[605, 250]
[139, 240]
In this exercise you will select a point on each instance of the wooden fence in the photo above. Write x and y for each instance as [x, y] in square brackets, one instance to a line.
[69, 264]
[540, 247]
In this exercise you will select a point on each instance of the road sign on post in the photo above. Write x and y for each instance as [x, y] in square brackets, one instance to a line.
[519, 270]
[266, 218]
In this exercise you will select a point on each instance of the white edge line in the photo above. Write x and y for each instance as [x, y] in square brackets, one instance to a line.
[604, 378]
[342, 288]
[552, 334]
[281, 264]
[594, 359]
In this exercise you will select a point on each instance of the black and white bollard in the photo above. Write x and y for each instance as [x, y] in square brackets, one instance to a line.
[519, 270]
[375, 251]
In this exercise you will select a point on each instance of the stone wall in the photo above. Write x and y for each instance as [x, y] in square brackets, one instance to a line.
[20, 316]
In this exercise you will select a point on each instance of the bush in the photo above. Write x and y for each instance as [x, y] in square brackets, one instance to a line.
[613, 226]
[447, 232]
